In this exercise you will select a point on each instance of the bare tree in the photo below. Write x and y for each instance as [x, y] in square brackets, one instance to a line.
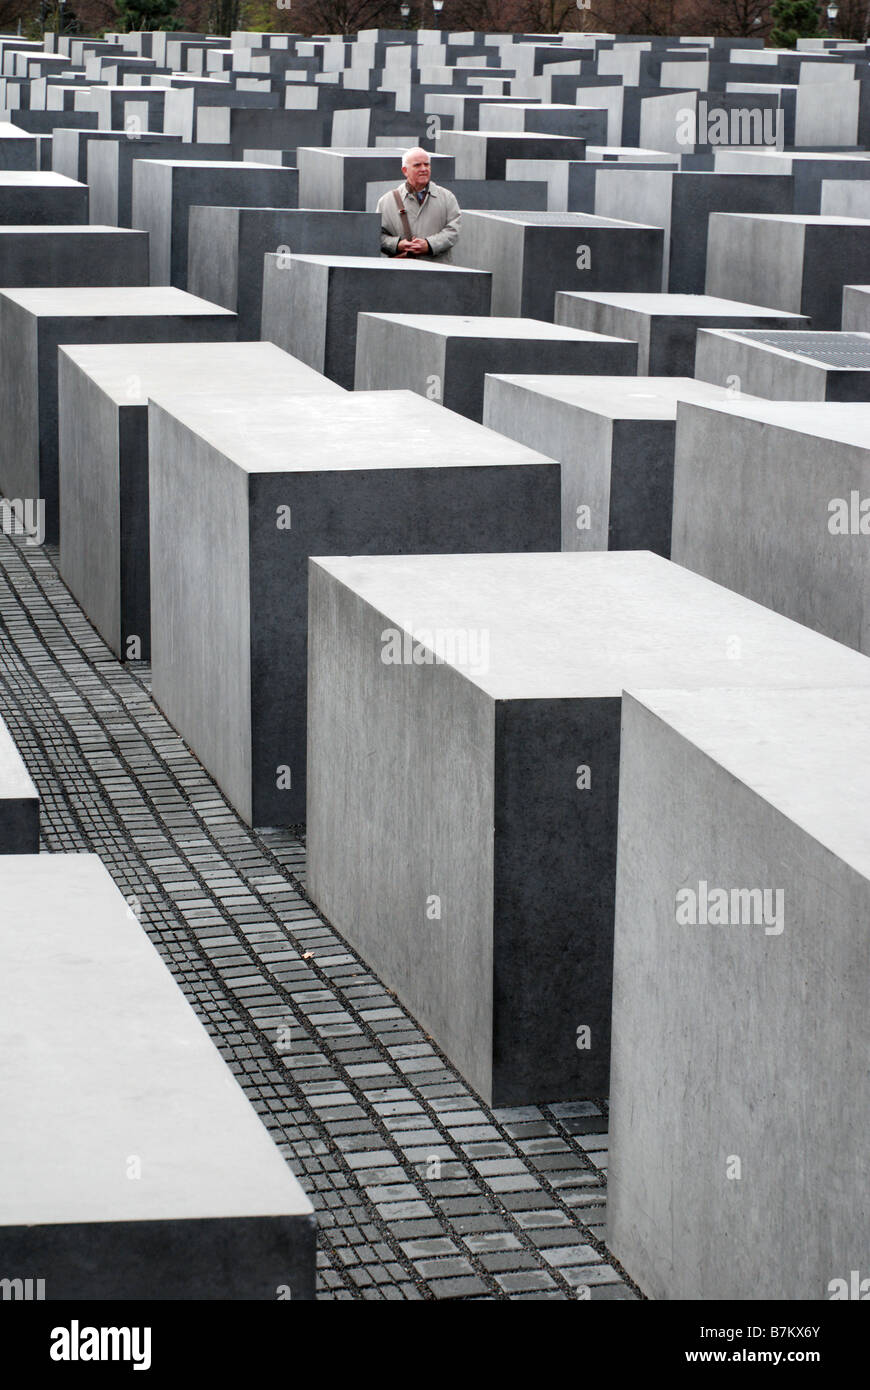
[736, 19]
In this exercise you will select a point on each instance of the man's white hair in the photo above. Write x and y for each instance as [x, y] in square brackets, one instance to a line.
[409, 154]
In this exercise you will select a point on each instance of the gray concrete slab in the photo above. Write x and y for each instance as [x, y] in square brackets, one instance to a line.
[462, 814]
[311, 303]
[216, 1212]
[255, 484]
[845, 198]
[110, 170]
[103, 461]
[34, 323]
[787, 366]
[19, 799]
[664, 325]
[28, 198]
[794, 481]
[615, 441]
[722, 1068]
[482, 154]
[18, 149]
[227, 246]
[681, 203]
[72, 255]
[808, 168]
[800, 262]
[487, 194]
[69, 150]
[164, 190]
[532, 255]
[446, 357]
[337, 178]
[856, 308]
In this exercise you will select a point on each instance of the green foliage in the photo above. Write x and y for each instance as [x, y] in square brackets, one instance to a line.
[793, 20]
[148, 14]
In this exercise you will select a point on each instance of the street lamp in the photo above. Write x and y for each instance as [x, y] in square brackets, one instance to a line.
[438, 6]
[832, 11]
[405, 10]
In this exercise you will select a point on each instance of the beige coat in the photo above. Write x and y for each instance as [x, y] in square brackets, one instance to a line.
[437, 219]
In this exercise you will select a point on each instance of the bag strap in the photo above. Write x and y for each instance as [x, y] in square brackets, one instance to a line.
[406, 226]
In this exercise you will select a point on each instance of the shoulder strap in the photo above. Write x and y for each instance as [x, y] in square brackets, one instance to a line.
[406, 226]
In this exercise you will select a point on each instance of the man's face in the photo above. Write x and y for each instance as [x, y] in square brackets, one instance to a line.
[417, 171]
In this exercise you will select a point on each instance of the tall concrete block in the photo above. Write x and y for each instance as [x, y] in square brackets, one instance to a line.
[110, 174]
[75, 255]
[486, 194]
[445, 357]
[218, 1213]
[311, 303]
[793, 480]
[103, 461]
[337, 178]
[164, 190]
[19, 799]
[34, 323]
[486, 903]
[856, 308]
[483, 154]
[615, 441]
[243, 490]
[799, 263]
[532, 255]
[740, 1024]
[18, 149]
[681, 203]
[227, 246]
[664, 325]
[28, 199]
[808, 169]
[789, 366]
[69, 150]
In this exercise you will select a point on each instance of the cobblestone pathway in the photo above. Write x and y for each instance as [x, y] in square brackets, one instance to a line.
[420, 1190]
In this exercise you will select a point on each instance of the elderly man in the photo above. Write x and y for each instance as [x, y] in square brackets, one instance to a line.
[419, 219]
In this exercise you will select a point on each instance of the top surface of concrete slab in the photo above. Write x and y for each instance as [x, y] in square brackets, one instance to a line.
[58, 229]
[28, 178]
[111, 302]
[779, 743]
[77, 966]
[378, 262]
[620, 397]
[263, 434]
[850, 351]
[15, 781]
[213, 164]
[840, 423]
[533, 330]
[681, 305]
[557, 219]
[131, 372]
[807, 219]
[588, 624]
